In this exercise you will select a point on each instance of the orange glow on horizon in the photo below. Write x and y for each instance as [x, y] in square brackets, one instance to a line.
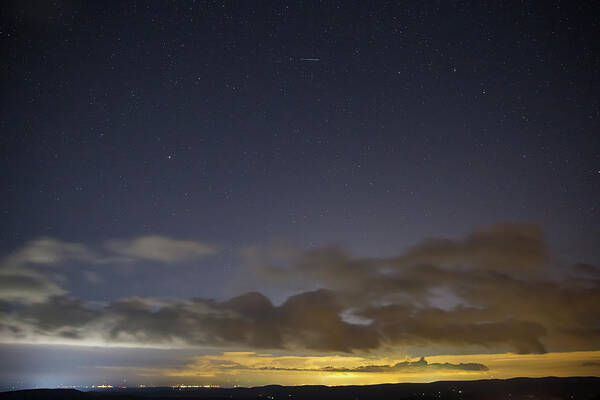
[252, 369]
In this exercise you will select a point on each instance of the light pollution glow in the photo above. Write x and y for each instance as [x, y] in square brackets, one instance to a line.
[249, 368]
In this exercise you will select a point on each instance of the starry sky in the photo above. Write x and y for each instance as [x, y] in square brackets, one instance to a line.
[246, 192]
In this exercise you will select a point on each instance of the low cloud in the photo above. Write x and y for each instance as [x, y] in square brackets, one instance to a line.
[309, 320]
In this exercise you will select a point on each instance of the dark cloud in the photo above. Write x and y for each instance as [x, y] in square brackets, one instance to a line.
[405, 366]
[502, 247]
[460, 326]
[588, 270]
[500, 290]
[591, 364]
[59, 314]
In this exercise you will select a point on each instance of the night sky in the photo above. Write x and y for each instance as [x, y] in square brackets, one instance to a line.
[298, 192]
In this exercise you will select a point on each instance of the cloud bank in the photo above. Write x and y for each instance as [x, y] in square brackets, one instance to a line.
[494, 290]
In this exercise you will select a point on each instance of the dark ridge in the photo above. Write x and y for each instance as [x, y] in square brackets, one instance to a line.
[574, 388]
[50, 394]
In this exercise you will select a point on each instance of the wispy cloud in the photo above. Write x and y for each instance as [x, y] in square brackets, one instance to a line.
[48, 251]
[26, 275]
[160, 249]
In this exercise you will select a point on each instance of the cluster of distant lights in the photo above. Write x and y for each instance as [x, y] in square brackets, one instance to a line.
[195, 386]
[88, 386]
[104, 386]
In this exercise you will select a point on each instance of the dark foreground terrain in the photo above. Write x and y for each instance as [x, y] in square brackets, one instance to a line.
[510, 389]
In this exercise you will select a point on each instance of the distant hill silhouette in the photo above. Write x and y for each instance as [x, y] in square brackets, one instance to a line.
[50, 394]
[575, 388]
